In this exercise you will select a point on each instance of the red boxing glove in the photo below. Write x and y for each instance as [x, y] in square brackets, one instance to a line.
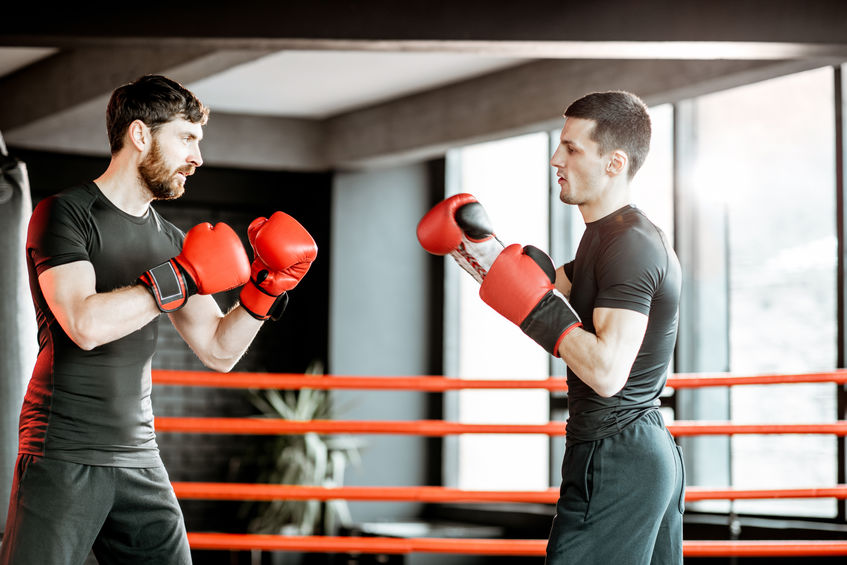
[283, 251]
[459, 227]
[212, 260]
[520, 286]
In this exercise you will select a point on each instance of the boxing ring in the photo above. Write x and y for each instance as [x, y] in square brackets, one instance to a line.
[430, 494]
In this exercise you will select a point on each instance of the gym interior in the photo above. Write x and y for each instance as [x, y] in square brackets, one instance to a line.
[357, 118]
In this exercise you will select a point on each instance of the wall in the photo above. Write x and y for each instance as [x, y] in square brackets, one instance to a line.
[380, 320]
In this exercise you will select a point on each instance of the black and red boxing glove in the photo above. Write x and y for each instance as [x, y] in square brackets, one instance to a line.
[520, 286]
[212, 260]
[283, 251]
[458, 226]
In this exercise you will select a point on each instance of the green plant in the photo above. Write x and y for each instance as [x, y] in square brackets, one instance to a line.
[309, 459]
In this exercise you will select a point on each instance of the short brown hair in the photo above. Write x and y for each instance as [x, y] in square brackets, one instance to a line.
[153, 99]
[621, 122]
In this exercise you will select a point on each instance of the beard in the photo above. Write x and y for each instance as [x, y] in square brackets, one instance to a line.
[162, 182]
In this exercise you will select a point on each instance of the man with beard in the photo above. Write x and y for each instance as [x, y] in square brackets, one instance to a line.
[103, 266]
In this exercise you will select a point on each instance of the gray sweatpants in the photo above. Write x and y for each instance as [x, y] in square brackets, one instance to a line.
[59, 511]
[621, 499]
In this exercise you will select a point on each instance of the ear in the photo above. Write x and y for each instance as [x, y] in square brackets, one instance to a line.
[617, 163]
[139, 135]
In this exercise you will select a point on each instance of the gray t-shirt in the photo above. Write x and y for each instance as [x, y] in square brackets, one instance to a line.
[93, 407]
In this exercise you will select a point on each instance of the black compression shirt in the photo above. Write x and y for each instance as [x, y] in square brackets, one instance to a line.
[624, 261]
[93, 407]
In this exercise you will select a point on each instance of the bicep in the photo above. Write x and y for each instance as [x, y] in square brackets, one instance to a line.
[622, 331]
[66, 287]
[92, 318]
[603, 359]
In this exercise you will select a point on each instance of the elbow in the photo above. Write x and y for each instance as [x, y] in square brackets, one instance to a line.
[215, 357]
[85, 335]
[84, 344]
[607, 391]
[218, 364]
[608, 384]
[223, 367]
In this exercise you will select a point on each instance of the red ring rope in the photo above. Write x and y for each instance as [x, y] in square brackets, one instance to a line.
[334, 544]
[218, 491]
[269, 426]
[242, 491]
[763, 548]
[287, 381]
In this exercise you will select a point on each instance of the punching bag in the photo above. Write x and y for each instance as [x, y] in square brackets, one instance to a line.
[18, 339]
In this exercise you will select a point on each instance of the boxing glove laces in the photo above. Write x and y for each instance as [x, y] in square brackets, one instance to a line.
[459, 226]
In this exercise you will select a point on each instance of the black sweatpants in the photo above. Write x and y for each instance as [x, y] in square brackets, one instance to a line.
[59, 511]
[621, 499]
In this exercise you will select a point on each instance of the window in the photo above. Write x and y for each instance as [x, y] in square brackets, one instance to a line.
[752, 216]
[510, 178]
[652, 186]
[766, 153]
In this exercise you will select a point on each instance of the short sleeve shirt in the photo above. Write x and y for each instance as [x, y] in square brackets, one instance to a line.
[624, 261]
[93, 407]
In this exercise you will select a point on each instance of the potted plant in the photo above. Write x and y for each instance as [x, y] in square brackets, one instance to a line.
[310, 459]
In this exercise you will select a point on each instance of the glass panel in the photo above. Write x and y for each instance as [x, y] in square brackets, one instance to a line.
[509, 178]
[767, 152]
[652, 186]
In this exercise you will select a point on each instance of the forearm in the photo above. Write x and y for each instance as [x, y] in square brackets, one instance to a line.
[234, 334]
[595, 362]
[563, 283]
[109, 316]
[91, 318]
[219, 340]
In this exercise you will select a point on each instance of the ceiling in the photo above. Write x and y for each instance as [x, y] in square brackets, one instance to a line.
[318, 84]
[14, 58]
[314, 84]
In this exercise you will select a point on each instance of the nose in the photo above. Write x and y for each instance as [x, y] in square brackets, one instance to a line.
[195, 158]
[558, 158]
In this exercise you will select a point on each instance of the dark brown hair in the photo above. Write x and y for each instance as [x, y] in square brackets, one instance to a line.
[153, 99]
[621, 122]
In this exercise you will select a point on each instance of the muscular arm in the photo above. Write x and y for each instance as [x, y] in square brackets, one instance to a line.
[603, 360]
[218, 340]
[90, 318]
